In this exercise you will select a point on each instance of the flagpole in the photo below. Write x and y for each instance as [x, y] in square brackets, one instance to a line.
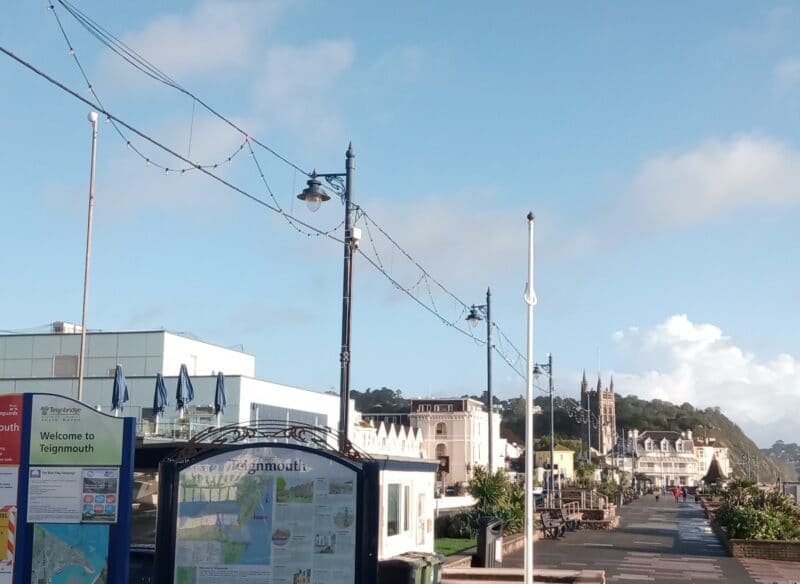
[530, 300]
[82, 355]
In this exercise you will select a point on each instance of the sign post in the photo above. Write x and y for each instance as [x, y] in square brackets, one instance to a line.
[73, 492]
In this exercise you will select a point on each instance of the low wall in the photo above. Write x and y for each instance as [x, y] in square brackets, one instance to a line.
[511, 544]
[784, 551]
[762, 549]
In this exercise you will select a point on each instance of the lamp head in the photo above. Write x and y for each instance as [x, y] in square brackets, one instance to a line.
[474, 317]
[314, 195]
[537, 371]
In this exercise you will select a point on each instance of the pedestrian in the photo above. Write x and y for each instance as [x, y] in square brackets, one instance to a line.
[677, 493]
[658, 494]
[685, 493]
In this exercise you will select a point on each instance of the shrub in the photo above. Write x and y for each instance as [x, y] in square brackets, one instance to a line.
[750, 523]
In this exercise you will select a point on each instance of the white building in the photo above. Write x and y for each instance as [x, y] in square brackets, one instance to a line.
[671, 458]
[48, 362]
[386, 439]
[456, 433]
[706, 449]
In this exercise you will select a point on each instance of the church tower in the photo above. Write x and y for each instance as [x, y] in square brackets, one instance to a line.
[604, 418]
[607, 417]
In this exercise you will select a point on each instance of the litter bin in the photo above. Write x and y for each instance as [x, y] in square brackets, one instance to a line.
[401, 570]
[490, 536]
[431, 568]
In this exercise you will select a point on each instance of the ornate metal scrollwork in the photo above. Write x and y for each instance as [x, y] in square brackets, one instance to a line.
[270, 431]
[337, 184]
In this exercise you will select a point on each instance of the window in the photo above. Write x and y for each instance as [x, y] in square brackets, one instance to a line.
[679, 446]
[441, 450]
[65, 366]
[648, 445]
[406, 507]
[393, 509]
[441, 430]
[443, 408]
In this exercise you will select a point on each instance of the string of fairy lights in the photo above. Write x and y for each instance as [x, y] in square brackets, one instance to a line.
[422, 288]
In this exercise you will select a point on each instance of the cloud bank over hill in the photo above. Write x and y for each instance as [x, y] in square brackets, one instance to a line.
[683, 361]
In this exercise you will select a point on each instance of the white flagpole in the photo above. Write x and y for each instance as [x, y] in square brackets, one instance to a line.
[530, 300]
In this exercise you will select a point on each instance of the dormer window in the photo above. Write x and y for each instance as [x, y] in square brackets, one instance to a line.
[648, 445]
[664, 445]
[679, 446]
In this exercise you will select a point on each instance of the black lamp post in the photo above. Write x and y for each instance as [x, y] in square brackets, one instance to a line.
[475, 315]
[314, 195]
[538, 368]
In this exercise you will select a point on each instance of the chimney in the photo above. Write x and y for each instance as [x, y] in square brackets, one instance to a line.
[688, 434]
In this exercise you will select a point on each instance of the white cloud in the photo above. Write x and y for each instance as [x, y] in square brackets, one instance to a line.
[787, 72]
[682, 361]
[713, 179]
[296, 85]
[214, 37]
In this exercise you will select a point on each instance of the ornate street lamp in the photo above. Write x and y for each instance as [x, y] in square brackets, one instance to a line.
[314, 195]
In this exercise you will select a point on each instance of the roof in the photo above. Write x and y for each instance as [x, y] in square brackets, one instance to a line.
[714, 473]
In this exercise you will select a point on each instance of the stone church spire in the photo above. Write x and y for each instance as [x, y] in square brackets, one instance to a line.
[599, 385]
[584, 383]
[611, 385]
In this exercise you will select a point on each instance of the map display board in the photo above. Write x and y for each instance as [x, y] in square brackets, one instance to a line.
[270, 515]
[70, 554]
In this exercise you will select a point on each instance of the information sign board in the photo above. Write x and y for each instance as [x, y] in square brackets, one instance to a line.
[268, 515]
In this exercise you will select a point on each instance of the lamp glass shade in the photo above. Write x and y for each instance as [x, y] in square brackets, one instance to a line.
[314, 195]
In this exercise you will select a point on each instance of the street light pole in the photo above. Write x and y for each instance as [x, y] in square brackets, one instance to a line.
[81, 359]
[537, 370]
[530, 301]
[314, 195]
[472, 319]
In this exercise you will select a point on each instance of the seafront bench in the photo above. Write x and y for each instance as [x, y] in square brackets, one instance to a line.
[571, 515]
[552, 527]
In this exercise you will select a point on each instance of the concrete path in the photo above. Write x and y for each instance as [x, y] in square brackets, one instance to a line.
[662, 543]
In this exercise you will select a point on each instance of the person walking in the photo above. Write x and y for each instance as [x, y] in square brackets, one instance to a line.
[677, 493]
[684, 493]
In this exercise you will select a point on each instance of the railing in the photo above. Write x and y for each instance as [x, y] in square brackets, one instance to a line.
[178, 430]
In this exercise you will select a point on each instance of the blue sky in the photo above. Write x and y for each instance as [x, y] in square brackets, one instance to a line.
[655, 143]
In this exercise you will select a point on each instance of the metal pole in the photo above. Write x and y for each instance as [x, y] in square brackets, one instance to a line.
[93, 119]
[589, 426]
[552, 427]
[530, 299]
[347, 286]
[489, 377]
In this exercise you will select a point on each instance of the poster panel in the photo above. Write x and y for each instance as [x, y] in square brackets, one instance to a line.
[270, 515]
[10, 428]
[54, 494]
[70, 554]
[66, 432]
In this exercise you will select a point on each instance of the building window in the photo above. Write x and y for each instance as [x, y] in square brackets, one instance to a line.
[441, 450]
[443, 408]
[679, 446]
[406, 507]
[441, 430]
[648, 445]
[65, 366]
[393, 509]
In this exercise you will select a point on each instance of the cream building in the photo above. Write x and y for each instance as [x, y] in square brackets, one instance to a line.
[456, 433]
[565, 463]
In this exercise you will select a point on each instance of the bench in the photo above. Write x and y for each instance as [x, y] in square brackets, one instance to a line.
[571, 515]
[552, 527]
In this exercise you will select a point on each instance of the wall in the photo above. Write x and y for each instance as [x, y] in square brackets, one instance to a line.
[419, 533]
[97, 393]
[257, 391]
[204, 358]
[785, 551]
[31, 356]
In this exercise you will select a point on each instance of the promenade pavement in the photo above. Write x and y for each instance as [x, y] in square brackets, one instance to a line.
[661, 543]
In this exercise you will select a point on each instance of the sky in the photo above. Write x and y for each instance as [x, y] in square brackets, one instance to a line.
[655, 143]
